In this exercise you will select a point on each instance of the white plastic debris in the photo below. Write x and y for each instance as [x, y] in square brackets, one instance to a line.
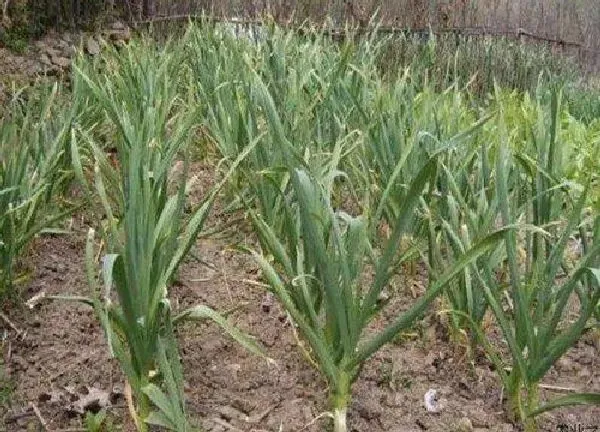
[432, 402]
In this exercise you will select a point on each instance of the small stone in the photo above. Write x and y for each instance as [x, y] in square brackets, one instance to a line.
[40, 45]
[60, 61]
[45, 60]
[463, 425]
[52, 52]
[230, 413]
[92, 46]
[63, 44]
[244, 405]
[118, 25]
[585, 359]
[585, 373]
[123, 35]
[564, 364]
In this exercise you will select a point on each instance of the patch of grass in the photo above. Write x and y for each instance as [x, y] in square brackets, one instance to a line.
[7, 386]
[99, 422]
[15, 39]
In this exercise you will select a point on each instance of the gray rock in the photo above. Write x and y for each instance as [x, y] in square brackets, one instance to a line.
[119, 34]
[61, 61]
[92, 46]
[50, 51]
[63, 45]
[118, 25]
[565, 364]
[45, 60]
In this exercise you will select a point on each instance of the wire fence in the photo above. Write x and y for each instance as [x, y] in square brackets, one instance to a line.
[568, 27]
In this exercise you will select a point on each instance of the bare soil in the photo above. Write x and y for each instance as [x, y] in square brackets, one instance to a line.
[57, 366]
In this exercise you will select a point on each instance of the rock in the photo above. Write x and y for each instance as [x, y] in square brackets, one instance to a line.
[54, 71]
[463, 425]
[92, 46]
[230, 413]
[244, 405]
[119, 35]
[18, 62]
[591, 339]
[50, 51]
[564, 364]
[71, 50]
[40, 45]
[585, 359]
[61, 61]
[67, 37]
[585, 373]
[45, 60]
[63, 45]
[118, 25]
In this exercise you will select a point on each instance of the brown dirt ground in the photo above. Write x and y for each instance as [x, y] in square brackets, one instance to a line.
[60, 356]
